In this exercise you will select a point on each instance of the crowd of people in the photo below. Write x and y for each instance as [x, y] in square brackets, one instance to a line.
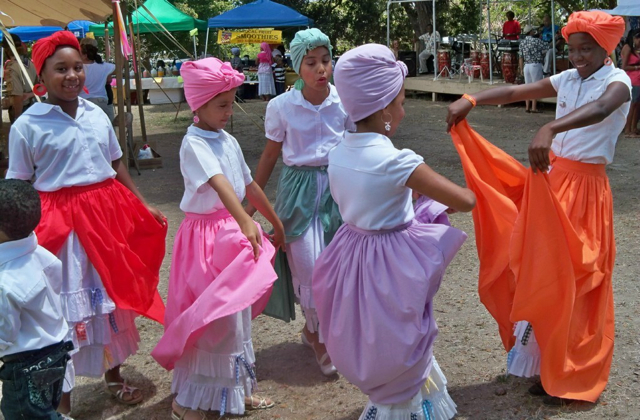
[81, 249]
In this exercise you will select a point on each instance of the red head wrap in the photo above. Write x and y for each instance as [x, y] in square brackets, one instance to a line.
[604, 28]
[46, 47]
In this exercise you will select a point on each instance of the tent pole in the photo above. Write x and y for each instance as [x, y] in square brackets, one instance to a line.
[553, 42]
[435, 53]
[143, 127]
[388, 23]
[127, 74]
[122, 133]
[195, 52]
[490, 49]
[206, 43]
[107, 47]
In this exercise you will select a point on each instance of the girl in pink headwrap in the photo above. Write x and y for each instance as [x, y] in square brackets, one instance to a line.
[221, 272]
[266, 85]
[375, 283]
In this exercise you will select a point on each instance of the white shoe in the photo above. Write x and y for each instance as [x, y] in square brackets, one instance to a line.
[328, 369]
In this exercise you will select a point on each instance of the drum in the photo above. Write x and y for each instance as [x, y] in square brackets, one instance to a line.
[509, 66]
[444, 62]
[475, 60]
[484, 63]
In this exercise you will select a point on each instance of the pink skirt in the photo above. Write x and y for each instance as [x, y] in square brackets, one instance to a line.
[373, 293]
[213, 275]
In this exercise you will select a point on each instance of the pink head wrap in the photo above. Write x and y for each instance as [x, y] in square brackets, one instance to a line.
[265, 54]
[205, 79]
[368, 78]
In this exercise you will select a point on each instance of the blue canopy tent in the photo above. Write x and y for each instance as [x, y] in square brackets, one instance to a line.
[34, 33]
[259, 14]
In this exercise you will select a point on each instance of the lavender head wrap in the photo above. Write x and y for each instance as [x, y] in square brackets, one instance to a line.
[368, 78]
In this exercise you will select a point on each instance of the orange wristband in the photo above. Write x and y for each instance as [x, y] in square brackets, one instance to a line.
[470, 99]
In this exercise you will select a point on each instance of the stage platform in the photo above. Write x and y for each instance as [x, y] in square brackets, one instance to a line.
[424, 83]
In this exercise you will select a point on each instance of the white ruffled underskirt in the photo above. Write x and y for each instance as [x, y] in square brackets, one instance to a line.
[216, 373]
[433, 396]
[524, 358]
[86, 306]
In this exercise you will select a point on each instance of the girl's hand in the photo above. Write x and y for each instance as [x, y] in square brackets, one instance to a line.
[251, 231]
[457, 112]
[539, 150]
[278, 237]
[157, 214]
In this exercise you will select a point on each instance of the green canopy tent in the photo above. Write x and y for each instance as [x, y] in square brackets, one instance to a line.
[171, 18]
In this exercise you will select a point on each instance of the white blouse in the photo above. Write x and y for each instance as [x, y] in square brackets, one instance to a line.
[30, 308]
[306, 132]
[58, 151]
[595, 143]
[367, 176]
[204, 154]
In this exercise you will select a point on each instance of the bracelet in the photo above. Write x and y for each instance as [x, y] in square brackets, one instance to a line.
[470, 99]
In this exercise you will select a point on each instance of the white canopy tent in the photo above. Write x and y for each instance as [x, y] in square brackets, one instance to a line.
[626, 8]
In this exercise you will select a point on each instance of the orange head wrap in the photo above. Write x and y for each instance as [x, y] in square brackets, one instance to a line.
[46, 47]
[604, 28]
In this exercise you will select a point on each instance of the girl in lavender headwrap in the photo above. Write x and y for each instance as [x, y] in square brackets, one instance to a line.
[375, 283]
[221, 270]
[302, 125]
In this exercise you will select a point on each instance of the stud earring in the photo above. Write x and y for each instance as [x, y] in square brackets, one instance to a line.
[196, 119]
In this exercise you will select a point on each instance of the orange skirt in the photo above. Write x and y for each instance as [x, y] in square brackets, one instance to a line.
[547, 250]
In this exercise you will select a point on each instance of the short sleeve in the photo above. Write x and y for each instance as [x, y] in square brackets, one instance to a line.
[557, 79]
[114, 147]
[620, 76]
[246, 172]
[402, 166]
[198, 162]
[21, 163]
[274, 129]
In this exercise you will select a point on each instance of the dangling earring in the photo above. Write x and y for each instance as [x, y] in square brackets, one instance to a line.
[387, 124]
[196, 119]
[608, 61]
[39, 89]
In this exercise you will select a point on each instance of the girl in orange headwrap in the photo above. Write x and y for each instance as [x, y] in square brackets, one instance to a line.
[94, 219]
[545, 236]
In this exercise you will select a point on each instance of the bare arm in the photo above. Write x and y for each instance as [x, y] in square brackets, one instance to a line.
[16, 103]
[498, 96]
[122, 175]
[617, 93]
[259, 200]
[428, 182]
[228, 197]
[626, 53]
[267, 162]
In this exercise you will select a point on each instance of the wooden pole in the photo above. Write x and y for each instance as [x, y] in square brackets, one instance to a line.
[127, 75]
[143, 128]
[122, 129]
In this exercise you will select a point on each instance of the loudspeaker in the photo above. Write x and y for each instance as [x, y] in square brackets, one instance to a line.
[410, 58]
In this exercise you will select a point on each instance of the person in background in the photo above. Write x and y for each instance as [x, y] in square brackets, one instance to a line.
[236, 61]
[559, 45]
[547, 31]
[98, 75]
[511, 28]
[266, 85]
[19, 91]
[432, 43]
[631, 64]
[395, 47]
[279, 72]
[532, 52]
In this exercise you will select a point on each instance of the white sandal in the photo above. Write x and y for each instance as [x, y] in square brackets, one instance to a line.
[327, 370]
[125, 389]
[262, 403]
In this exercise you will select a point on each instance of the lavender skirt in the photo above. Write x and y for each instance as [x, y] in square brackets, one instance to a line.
[374, 292]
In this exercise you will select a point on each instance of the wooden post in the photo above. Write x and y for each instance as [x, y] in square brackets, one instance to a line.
[127, 75]
[143, 128]
[122, 129]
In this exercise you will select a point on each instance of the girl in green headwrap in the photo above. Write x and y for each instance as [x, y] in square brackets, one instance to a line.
[302, 125]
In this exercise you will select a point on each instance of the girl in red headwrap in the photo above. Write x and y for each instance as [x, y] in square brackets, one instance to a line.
[110, 241]
[545, 235]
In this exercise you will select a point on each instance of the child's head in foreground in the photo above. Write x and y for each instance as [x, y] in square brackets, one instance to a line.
[19, 209]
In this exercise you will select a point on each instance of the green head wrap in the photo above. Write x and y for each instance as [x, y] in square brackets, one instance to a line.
[305, 41]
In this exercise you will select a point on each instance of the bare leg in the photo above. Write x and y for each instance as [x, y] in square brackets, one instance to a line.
[65, 403]
[113, 375]
[534, 106]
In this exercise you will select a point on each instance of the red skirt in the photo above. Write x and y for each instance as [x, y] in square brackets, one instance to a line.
[123, 241]
[547, 252]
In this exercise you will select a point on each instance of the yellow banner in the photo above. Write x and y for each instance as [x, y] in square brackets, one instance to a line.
[250, 36]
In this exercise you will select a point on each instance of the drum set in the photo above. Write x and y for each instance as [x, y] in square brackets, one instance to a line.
[456, 51]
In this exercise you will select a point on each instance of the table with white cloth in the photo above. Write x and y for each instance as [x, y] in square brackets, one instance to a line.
[171, 85]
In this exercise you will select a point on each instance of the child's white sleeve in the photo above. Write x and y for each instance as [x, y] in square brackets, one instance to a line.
[21, 164]
[273, 127]
[115, 151]
[9, 320]
[198, 162]
[402, 166]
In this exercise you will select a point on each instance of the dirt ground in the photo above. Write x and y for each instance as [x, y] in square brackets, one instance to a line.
[468, 348]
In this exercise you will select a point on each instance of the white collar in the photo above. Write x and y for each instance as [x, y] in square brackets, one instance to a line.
[352, 139]
[16, 249]
[42, 108]
[196, 131]
[602, 73]
[298, 99]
